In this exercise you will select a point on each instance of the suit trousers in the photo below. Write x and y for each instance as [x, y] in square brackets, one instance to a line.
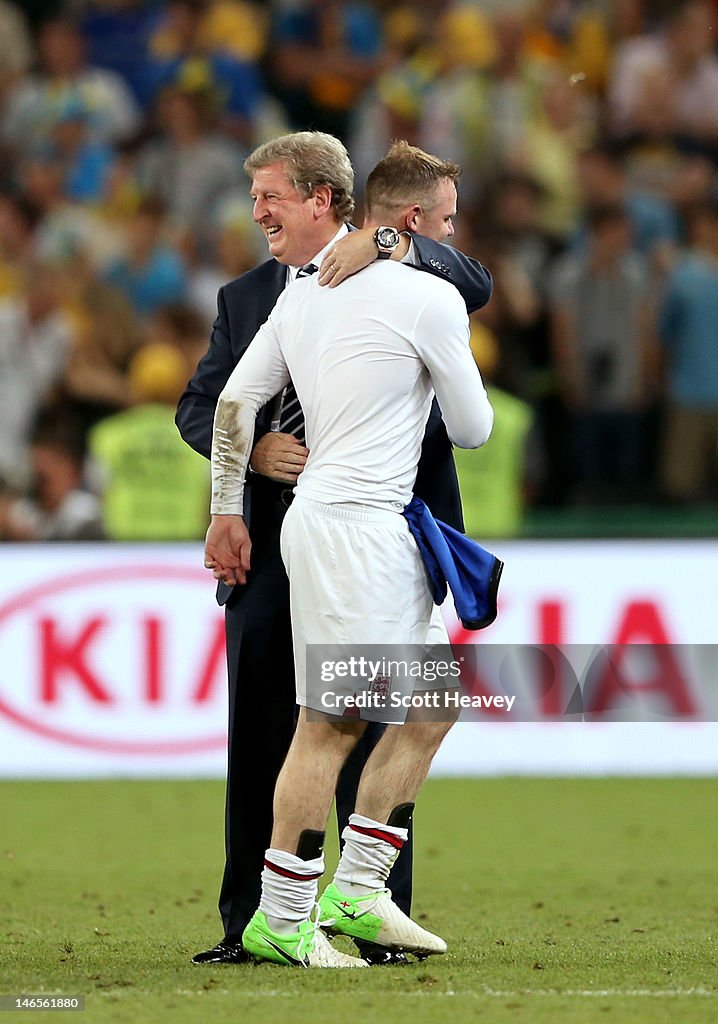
[262, 715]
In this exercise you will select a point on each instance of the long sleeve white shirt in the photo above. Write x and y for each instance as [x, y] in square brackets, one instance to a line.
[366, 359]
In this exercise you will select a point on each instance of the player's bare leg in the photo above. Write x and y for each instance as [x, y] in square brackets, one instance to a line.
[357, 903]
[281, 930]
[306, 784]
[398, 766]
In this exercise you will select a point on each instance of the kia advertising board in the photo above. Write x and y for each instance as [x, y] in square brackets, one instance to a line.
[112, 661]
[112, 658]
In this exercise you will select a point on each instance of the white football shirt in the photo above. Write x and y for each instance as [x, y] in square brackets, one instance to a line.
[365, 359]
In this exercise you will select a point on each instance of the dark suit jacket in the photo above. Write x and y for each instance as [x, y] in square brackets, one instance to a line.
[242, 307]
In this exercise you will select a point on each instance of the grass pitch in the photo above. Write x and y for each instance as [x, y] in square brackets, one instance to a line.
[562, 900]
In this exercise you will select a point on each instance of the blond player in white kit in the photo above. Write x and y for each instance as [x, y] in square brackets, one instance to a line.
[365, 360]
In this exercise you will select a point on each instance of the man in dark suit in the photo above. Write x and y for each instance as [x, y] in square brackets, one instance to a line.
[301, 187]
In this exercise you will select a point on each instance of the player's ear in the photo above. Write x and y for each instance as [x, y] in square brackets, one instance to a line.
[413, 218]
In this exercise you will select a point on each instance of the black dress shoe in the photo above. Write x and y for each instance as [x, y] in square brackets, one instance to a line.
[380, 956]
[225, 952]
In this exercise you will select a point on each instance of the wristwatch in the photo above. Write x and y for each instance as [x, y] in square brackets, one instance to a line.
[386, 240]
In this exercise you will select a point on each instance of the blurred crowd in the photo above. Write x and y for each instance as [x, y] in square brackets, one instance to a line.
[588, 135]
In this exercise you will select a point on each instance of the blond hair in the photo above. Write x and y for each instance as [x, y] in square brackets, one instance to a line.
[310, 159]
[406, 175]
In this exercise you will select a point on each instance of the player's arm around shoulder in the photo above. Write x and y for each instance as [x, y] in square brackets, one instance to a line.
[357, 250]
[472, 280]
[441, 338]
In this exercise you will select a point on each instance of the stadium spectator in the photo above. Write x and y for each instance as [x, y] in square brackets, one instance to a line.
[549, 152]
[513, 87]
[665, 85]
[603, 352]
[60, 508]
[689, 332]
[16, 51]
[65, 78]
[153, 485]
[18, 220]
[151, 273]
[655, 226]
[521, 257]
[391, 105]
[233, 251]
[182, 327]
[66, 229]
[87, 162]
[455, 118]
[523, 254]
[183, 54]
[117, 33]
[190, 166]
[579, 37]
[430, 91]
[692, 183]
[122, 195]
[324, 55]
[107, 333]
[35, 340]
[238, 27]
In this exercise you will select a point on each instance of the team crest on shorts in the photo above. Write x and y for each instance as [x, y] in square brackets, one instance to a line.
[380, 687]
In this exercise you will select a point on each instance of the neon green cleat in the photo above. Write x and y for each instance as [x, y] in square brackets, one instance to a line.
[375, 918]
[308, 947]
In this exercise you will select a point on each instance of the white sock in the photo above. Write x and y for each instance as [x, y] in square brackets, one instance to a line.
[289, 889]
[370, 849]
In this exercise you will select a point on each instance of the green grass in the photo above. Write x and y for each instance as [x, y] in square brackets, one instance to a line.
[561, 900]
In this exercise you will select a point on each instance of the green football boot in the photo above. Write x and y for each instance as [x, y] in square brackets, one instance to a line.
[307, 947]
[375, 918]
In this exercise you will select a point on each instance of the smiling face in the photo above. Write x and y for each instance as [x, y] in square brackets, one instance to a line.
[295, 225]
[435, 220]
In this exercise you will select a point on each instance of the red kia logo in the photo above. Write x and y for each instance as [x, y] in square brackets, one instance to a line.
[124, 659]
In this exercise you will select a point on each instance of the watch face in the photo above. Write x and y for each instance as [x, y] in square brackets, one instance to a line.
[387, 238]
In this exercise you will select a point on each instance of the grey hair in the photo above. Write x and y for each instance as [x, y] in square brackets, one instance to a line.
[310, 159]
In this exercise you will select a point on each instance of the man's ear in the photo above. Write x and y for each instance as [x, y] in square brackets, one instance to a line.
[412, 218]
[322, 196]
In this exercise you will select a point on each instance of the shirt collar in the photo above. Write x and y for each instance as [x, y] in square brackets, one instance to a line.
[316, 260]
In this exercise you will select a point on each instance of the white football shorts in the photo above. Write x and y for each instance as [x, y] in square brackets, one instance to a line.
[358, 587]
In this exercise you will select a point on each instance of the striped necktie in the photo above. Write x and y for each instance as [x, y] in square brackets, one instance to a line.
[291, 417]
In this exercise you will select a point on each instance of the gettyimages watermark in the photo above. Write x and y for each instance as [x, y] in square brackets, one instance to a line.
[514, 683]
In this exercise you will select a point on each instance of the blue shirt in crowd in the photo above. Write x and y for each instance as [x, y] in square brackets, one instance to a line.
[689, 331]
[160, 281]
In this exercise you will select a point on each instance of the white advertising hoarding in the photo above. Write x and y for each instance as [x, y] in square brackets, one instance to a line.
[112, 658]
